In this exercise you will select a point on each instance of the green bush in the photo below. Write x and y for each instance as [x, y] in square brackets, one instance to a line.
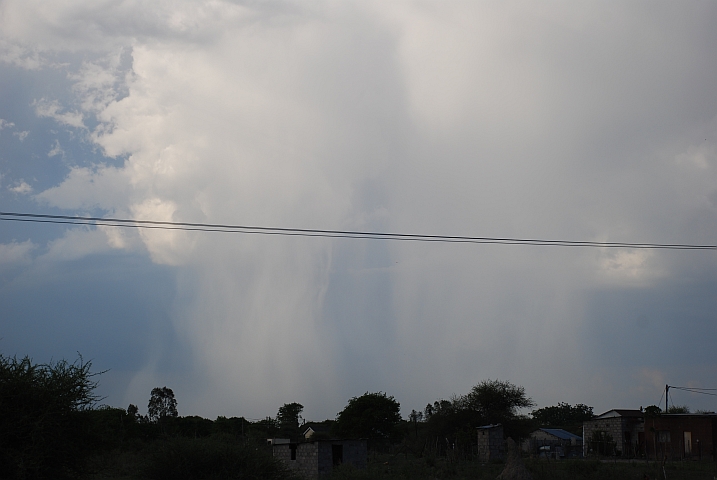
[44, 417]
[215, 457]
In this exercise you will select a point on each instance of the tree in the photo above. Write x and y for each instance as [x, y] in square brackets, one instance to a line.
[562, 414]
[43, 417]
[652, 411]
[497, 401]
[133, 413]
[491, 401]
[372, 415]
[162, 404]
[678, 409]
[415, 417]
[288, 417]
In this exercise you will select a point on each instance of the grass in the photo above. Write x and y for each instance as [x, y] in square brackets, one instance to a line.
[222, 458]
[409, 467]
[212, 458]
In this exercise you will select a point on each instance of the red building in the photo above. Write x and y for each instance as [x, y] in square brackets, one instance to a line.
[681, 435]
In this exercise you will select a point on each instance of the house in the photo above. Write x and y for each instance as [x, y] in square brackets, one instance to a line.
[615, 432]
[681, 436]
[491, 444]
[315, 459]
[277, 441]
[554, 441]
[309, 429]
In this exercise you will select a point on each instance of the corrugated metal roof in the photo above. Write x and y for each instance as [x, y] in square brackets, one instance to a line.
[560, 433]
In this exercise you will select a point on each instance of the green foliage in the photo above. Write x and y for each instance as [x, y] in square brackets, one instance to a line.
[237, 426]
[216, 457]
[193, 426]
[678, 409]
[162, 404]
[43, 417]
[288, 418]
[497, 401]
[491, 401]
[398, 467]
[563, 414]
[108, 427]
[652, 411]
[372, 416]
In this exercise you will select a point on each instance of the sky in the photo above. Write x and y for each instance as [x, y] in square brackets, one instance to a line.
[572, 120]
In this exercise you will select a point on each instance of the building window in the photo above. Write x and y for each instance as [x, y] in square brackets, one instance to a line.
[663, 436]
[292, 447]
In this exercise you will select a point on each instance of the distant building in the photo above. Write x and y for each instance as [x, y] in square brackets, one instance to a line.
[310, 429]
[491, 444]
[554, 442]
[315, 459]
[615, 432]
[277, 441]
[681, 436]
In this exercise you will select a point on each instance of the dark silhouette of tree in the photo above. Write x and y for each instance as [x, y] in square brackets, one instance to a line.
[678, 409]
[497, 401]
[43, 417]
[563, 414]
[133, 413]
[288, 418]
[652, 411]
[162, 404]
[372, 415]
[491, 401]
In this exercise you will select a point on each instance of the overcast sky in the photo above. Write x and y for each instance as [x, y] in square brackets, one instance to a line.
[555, 120]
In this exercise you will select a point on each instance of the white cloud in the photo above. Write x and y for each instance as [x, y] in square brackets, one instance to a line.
[103, 187]
[5, 124]
[21, 187]
[627, 267]
[51, 109]
[514, 120]
[16, 252]
[75, 244]
[56, 150]
[21, 135]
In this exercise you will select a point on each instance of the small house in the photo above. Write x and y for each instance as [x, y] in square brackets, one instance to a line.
[491, 444]
[681, 436]
[554, 442]
[615, 432]
[315, 459]
[310, 429]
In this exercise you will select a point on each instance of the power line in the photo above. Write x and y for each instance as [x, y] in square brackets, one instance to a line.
[310, 232]
[703, 391]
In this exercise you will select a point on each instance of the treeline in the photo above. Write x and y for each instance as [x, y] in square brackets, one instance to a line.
[51, 427]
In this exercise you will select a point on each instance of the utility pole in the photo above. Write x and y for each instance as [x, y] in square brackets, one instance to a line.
[667, 391]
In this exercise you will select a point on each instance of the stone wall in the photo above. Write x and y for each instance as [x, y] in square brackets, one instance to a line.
[625, 432]
[491, 445]
[316, 459]
[306, 461]
[612, 426]
[354, 452]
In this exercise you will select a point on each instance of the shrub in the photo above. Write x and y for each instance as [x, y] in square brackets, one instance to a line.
[215, 457]
[44, 417]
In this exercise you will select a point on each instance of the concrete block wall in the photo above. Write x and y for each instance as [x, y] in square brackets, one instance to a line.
[315, 459]
[613, 426]
[354, 453]
[491, 445]
[306, 460]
